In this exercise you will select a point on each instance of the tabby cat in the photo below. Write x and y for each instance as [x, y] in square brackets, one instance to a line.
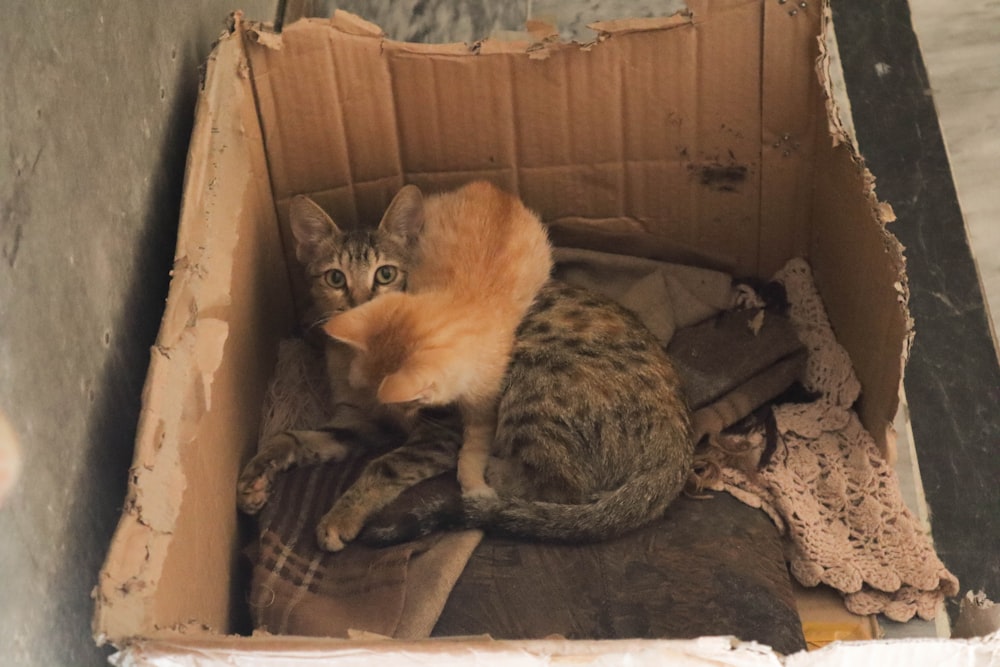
[593, 435]
[482, 258]
[346, 268]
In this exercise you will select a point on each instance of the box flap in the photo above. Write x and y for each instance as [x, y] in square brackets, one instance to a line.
[584, 133]
[858, 264]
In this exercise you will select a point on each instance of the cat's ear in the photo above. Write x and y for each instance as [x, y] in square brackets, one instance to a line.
[310, 227]
[405, 216]
[348, 328]
[405, 386]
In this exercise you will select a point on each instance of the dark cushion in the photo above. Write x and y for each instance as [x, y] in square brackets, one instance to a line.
[710, 567]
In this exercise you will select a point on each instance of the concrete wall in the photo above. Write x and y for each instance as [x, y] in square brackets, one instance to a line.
[96, 101]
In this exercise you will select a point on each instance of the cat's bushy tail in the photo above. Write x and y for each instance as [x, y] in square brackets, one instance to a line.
[434, 504]
[638, 501]
[437, 504]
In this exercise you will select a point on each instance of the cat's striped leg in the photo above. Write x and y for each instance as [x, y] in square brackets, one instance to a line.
[430, 450]
[279, 453]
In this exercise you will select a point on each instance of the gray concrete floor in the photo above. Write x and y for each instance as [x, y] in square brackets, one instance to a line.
[96, 105]
[961, 51]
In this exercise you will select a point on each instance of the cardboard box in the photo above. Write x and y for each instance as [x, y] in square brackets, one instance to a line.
[703, 138]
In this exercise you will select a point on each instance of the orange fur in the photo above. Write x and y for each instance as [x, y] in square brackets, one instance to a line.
[482, 258]
[412, 342]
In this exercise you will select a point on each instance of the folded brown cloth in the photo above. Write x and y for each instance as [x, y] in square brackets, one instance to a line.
[733, 363]
[665, 297]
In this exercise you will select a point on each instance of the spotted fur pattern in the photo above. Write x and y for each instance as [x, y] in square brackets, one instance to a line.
[593, 435]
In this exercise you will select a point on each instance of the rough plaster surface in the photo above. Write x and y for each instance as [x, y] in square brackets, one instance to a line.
[97, 106]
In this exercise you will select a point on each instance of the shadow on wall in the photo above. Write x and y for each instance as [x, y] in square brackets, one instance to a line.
[115, 396]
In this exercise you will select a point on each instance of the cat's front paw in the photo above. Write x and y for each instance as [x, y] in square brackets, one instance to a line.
[472, 480]
[336, 529]
[479, 491]
[254, 486]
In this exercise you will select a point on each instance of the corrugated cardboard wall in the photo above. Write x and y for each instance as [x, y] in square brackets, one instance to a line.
[858, 268]
[790, 130]
[653, 134]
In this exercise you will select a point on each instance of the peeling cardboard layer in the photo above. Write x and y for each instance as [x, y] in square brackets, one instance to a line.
[978, 616]
[835, 127]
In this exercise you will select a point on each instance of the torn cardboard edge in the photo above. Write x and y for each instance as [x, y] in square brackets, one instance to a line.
[880, 211]
[537, 40]
[977, 616]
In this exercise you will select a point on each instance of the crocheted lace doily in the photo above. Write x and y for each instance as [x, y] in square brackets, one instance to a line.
[829, 490]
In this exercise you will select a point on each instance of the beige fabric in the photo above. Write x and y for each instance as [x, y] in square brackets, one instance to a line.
[431, 578]
[664, 296]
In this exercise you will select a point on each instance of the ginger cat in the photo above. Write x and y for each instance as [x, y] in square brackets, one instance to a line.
[481, 260]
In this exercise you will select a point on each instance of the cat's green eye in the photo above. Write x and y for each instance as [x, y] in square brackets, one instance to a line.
[335, 278]
[385, 274]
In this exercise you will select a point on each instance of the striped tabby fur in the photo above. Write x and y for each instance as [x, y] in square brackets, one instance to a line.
[346, 269]
[593, 436]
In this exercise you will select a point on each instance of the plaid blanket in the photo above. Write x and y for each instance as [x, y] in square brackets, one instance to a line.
[297, 588]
